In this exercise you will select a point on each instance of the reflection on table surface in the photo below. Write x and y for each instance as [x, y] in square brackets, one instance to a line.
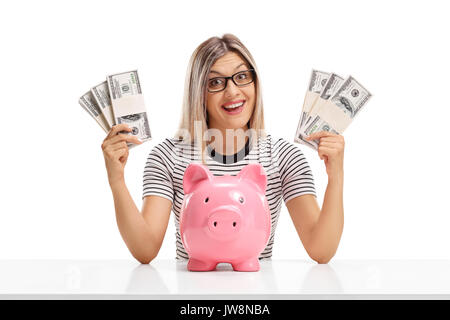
[169, 277]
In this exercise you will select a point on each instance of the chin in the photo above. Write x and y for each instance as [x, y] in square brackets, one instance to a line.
[238, 124]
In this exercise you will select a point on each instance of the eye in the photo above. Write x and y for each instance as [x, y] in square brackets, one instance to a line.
[207, 199]
[242, 76]
[215, 82]
[241, 199]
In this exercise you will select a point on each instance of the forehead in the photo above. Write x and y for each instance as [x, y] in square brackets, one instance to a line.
[228, 62]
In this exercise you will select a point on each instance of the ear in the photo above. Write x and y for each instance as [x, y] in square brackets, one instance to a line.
[194, 174]
[255, 173]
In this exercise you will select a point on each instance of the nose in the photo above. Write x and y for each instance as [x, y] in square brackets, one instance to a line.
[224, 224]
[231, 89]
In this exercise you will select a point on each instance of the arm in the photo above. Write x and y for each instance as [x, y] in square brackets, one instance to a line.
[143, 233]
[320, 230]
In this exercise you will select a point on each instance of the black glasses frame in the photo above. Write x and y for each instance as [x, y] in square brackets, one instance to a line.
[232, 79]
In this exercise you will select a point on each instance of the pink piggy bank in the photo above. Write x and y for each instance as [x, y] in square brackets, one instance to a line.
[224, 219]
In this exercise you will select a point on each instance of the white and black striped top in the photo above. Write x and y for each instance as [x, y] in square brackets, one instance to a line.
[288, 175]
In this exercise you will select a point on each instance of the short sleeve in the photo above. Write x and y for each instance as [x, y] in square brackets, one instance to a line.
[295, 173]
[157, 178]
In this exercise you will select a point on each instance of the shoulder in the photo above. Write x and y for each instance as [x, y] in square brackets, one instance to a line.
[169, 146]
[167, 143]
[285, 153]
[278, 144]
[164, 151]
[268, 140]
[174, 151]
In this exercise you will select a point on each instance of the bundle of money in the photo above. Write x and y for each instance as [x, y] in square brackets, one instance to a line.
[118, 100]
[331, 103]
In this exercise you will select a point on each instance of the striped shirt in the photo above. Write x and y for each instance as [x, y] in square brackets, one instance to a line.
[288, 175]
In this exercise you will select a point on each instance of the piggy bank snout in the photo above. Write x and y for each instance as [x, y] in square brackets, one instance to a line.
[224, 224]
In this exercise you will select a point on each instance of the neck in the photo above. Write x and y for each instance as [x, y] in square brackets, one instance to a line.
[233, 140]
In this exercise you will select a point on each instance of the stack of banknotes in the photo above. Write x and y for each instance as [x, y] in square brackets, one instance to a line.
[118, 100]
[331, 103]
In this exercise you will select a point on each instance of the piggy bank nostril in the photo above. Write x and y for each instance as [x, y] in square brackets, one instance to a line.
[234, 224]
[215, 223]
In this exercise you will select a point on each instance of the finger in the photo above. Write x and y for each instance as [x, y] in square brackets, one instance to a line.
[117, 128]
[120, 153]
[336, 138]
[330, 139]
[125, 155]
[112, 154]
[119, 145]
[117, 138]
[132, 139]
[325, 151]
[320, 134]
[119, 141]
[329, 144]
[125, 137]
[322, 154]
[109, 141]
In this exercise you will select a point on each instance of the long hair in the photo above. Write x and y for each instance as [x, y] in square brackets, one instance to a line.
[194, 100]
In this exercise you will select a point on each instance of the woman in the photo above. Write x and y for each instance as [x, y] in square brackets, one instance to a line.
[223, 106]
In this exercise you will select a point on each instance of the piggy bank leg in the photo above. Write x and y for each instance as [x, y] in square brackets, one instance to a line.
[199, 265]
[247, 265]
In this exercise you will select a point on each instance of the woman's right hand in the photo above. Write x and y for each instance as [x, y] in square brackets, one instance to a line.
[115, 151]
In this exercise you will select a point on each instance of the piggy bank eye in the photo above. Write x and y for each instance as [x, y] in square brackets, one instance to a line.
[207, 199]
[241, 199]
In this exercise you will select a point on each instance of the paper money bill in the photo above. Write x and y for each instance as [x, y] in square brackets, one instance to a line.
[332, 85]
[101, 95]
[316, 125]
[317, 81]
[350, 98]
[128, 103]
[340, 109]
[88, 103]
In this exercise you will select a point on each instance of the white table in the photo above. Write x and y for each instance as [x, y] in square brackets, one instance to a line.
[277, 279]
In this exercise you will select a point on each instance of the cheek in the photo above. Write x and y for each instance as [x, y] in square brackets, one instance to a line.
[211, 103]
[250, 93]
[214, 100]
[251, 97]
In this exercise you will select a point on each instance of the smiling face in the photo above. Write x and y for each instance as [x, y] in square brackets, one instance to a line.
[218, 115]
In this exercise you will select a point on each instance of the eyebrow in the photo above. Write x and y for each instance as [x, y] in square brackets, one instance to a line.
[213, 71]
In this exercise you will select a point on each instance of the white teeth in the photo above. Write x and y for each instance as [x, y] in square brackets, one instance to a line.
[232, 106]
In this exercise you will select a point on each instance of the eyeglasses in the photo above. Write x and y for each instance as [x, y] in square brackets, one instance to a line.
[240, 79]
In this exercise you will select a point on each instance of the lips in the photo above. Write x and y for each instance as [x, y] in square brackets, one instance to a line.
[233, 111]
[232, 102]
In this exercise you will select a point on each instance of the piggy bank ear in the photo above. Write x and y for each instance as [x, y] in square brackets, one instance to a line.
[255, 173]
[194, 174]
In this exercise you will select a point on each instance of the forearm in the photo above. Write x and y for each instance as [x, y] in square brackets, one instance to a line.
[326, 234]
[132, 226]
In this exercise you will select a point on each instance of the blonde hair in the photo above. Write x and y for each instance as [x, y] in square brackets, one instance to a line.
[194, 99]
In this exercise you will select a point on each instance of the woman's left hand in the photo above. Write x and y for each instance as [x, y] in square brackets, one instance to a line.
[331, 150]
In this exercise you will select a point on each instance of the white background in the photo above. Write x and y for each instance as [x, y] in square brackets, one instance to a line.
[55, 198]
